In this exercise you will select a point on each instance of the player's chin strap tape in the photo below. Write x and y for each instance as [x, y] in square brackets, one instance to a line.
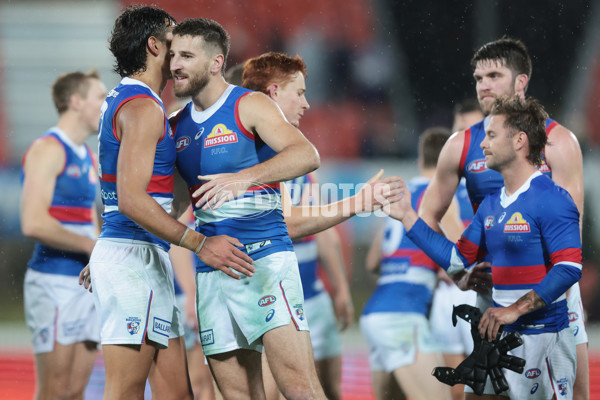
[486, 359]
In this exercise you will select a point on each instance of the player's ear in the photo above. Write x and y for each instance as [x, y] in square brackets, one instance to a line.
[521, 82]
[153, 46]
[272, 90]
[217, 64]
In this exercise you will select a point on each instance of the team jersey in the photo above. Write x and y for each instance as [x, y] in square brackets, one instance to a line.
[407, 276]
[160, 188]
[306, 249]
[479, 179]
[72, 205]
[214, 141]
[532, 238]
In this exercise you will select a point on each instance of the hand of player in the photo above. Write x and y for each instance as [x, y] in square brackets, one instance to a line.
[400, 208]
[444, 277]
[85, 278]
[222, 253]
[377, 193]
[493, 318]
[343, 307]
[219, 189]
[476, 278]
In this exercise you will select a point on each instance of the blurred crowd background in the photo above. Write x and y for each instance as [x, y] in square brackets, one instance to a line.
[379, 73]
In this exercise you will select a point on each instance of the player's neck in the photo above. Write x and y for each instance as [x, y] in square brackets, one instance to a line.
[210, 93]
[516, 176]
[153, 78]
[75, 129]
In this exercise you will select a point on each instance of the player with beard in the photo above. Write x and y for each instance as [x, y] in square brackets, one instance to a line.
[503, 68]
[240, 142]
[141, 327]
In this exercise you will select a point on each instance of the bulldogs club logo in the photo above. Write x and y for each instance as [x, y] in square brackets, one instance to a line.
[299, 311]
[133, 325]
[489, 222]
[517, 224]
[220, 135]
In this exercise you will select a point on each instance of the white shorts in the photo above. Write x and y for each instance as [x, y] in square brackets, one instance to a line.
[134, 293]
[451, 339]
[191, 335]
[395, 338]
[234, 314]
[550, 365]
[576, 315]
[324, 334]
[58, 310]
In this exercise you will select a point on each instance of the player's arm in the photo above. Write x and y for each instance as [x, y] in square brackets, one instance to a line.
[453, 258]
[563, 155]
[330, 255]
[139, 124]
[373, 261]
[43, 163]
[440, 192]
[295, 156]
[302, 221]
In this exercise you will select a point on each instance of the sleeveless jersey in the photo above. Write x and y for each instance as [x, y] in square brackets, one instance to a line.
[117, 225]
[479, 179]
[214, 141]
[306, 249]
[525, 238]
[72, 205]
[407, 276]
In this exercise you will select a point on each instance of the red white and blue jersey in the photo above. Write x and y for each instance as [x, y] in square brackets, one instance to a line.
[214, 141]
[479, 179]
[306, 249]
[72, 205]
[532, 238]
[117, 225]
[407, 275]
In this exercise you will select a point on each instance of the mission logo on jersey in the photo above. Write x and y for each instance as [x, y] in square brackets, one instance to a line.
[516, 223]
[220, 135]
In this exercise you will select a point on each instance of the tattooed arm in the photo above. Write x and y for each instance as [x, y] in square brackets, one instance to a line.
[496, 316]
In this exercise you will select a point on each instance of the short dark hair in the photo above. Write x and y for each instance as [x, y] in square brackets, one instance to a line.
[430, 145]
[261, 71]
[526, 116]
[129, 37]
[66, 85]
[466, 106]
[510, 52]
[211, 31]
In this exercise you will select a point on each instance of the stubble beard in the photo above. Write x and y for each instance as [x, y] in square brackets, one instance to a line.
[195, 86]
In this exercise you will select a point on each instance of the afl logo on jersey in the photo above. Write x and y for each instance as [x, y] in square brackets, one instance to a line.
[573, 317]
[477, 166]
[267, 301]
[73, 171]
[533, 373]
[516, 224]
[182, 143]
[220, 135]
